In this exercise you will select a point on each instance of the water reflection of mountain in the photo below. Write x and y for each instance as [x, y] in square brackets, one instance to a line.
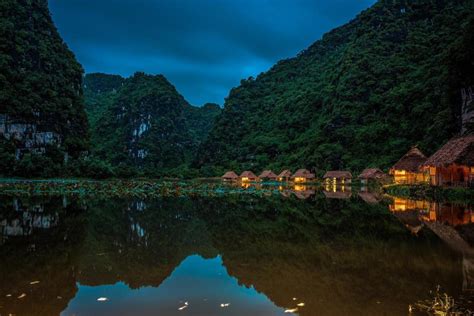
[37, 274]
[336, 256]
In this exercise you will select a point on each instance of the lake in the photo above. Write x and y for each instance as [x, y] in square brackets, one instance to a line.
[303, 251]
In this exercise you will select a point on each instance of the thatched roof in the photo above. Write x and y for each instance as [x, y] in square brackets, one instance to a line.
[370, 197]
[285, 174]
[372, 173]
[248, 174]
[303, 195]
[230, 175]
[303, 173]
[459, 150]
[411, 161]
[338, 174]
[267, 174]
[337, 195]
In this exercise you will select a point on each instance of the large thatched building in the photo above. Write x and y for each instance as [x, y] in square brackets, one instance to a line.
[408, 169]
[452, 164]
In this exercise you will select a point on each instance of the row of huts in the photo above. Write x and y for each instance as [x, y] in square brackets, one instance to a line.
[301, 176]
[452, 164]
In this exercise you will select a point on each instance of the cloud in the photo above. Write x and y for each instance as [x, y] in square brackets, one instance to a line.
[203, 47]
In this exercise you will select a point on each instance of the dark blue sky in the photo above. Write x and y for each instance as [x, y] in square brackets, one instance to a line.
[204, 47]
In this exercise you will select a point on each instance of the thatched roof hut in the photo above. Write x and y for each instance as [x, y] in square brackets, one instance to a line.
[452, 164]
[285, 174]
[411, 161]
[230, 175]
[459, 151]
[248, 176]
[342, 195]
[373, 174]
[268, 175]
[337, 175]
[303, 195]
[370, 197]
[302, 175]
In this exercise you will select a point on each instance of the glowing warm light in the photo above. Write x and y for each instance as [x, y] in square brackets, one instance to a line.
[245, 179]
[245, 185]
[299, 179]
[398, 205]
[300, 187]
[291, 310]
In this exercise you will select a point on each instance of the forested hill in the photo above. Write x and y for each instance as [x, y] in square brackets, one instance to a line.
[41, 103]
[361, 96]
[142, 125]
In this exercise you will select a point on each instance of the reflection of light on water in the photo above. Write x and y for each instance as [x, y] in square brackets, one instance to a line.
[245, 185]
[299, 187]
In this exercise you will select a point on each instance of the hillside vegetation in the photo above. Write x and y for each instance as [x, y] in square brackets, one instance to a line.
[142, 125]
[359, 97]
[42, 117]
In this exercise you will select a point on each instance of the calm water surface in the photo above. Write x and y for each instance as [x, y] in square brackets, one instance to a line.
[304, 252]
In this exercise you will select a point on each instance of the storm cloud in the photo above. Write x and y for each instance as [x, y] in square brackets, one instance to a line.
[204, 47]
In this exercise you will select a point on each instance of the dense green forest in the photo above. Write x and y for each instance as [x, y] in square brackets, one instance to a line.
[41, 102]
[359, 97]
[142, 126]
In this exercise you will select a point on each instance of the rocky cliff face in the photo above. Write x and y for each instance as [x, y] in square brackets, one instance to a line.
[40, 83]
[28, 137]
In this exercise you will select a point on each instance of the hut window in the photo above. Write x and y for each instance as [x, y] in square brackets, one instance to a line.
[472, 170]
[432, 171]
[299, 179]
[245, 179]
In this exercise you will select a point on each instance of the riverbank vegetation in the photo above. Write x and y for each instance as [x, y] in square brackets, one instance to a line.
[431, 193]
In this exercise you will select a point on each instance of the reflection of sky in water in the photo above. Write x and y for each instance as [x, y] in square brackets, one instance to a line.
[203, 283]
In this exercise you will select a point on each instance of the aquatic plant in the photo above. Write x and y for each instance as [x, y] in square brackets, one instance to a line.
[441, 304]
